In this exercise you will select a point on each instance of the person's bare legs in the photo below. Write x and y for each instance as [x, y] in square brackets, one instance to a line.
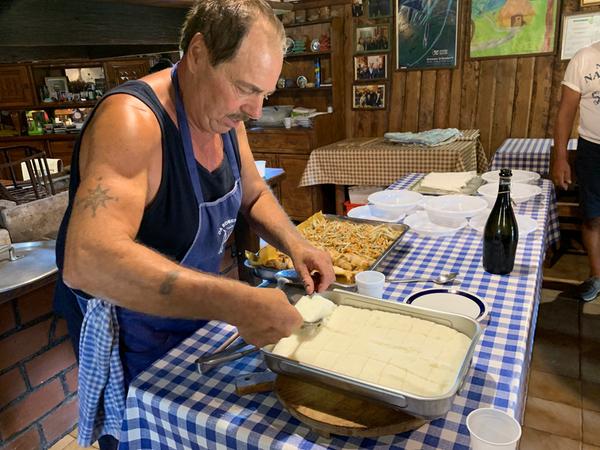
[590, 232]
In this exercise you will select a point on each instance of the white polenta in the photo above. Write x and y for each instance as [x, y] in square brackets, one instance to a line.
[391, 350]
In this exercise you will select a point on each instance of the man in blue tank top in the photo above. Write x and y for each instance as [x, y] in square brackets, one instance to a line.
[160, 172]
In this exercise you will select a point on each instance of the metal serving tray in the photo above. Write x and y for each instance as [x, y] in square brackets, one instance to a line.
[269, 273]
[425, 407]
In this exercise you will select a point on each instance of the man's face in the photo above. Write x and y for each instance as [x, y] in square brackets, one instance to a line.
[234, 91]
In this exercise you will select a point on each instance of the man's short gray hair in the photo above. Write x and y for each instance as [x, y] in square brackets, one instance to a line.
[224, 24]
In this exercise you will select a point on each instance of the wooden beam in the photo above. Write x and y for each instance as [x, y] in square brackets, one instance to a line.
[33, 23]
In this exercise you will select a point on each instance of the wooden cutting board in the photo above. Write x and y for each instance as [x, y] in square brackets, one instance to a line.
[327, 411]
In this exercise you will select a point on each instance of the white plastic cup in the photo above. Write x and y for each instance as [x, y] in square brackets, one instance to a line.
[260, 166]
[370, 282]
[492, 429]
[287, 122]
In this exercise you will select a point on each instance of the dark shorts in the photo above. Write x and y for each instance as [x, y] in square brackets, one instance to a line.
[587, 168]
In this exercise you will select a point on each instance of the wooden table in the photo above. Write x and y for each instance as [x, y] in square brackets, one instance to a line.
[373, 161]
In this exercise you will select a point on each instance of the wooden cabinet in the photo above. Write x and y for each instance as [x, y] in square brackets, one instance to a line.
[290, 150]
[15, 86]
[299, 202]
[118, 72]
[272, 161]
[62, 150]
[330, 91]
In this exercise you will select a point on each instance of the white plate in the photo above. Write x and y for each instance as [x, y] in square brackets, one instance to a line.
[452, 301]
[368, 213]
[419, 223]
[518, 176]
[525, 223]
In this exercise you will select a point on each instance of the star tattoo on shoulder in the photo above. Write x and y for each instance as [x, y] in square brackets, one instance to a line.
[96, 198]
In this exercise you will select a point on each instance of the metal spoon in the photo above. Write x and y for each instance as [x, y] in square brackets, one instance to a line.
[443, 278]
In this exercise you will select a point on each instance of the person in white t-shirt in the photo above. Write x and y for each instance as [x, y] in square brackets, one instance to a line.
[581, 89]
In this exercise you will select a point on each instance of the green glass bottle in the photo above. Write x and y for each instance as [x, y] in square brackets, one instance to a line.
[501, 233]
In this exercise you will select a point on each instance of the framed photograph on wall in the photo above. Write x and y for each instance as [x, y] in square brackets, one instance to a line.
[368, 96]
[578, 30]
[509, 28]
[357, 8]
[372, 38]
[586, 3]
[56, 86]
[370, 67]
[379, 8]
[426, 36]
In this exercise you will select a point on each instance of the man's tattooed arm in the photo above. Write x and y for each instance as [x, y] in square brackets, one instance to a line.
[167, 286]
[96, 198]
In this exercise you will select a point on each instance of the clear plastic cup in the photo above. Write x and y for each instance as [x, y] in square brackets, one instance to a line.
[287, 122]
[260, 166]
[492, 429]
[371, 283]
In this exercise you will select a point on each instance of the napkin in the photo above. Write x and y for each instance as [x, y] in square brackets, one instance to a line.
[430, 138]
[447, 181]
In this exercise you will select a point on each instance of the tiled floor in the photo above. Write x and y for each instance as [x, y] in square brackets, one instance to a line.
[563, 403]
[69, 442]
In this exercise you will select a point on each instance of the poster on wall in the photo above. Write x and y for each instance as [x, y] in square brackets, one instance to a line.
[505, 28]
[426, 33]
[578, 31]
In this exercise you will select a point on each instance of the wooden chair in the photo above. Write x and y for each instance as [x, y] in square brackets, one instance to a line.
[14, 187]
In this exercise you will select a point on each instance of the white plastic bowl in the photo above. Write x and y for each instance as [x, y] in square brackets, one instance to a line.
[518, 176]
[519, 192]
[452, 210]
[396, 201]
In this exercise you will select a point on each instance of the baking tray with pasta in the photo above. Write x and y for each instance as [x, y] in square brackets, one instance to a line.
[353, 244]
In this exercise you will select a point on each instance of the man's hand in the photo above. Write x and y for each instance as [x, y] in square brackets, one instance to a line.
[308, 259]
[272, 318]
[561, 173]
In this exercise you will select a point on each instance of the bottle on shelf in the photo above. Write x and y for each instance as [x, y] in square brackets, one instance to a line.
[317, 72]
[501, 233]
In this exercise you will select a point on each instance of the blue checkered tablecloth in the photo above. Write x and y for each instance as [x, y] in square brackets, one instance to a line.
[171, 405]
[526, 154]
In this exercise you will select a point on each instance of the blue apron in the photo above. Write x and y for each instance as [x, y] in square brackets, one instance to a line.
[105, 367]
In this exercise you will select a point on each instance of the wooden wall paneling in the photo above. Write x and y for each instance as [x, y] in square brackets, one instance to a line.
[523, 95]
[349, 23]
[503, 108]
[542, 85]
[441, 112]
[427, 100]
[455, 98]
[411, 100]
[486, 101]
[554, 101]
[468, 100]
[398, 90]
[370, 123]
